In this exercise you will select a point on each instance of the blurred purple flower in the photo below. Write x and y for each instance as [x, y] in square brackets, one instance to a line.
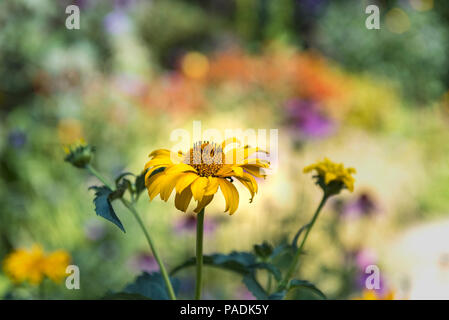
[94, 230]
[143, 262]
[307, 121]
[363, 204]
[188, 224]
[17, 139]
[116, 22]
[362, 259]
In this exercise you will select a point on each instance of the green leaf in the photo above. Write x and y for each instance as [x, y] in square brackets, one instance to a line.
[151, 286]
[240, 262]
[263, 250]
[103, 205]
[243, 263]
[269, 267]
[282, 256]
[254, 286]
[277, 295]
[295, 283]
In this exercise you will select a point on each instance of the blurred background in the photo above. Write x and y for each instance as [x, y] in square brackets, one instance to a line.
[376, 100]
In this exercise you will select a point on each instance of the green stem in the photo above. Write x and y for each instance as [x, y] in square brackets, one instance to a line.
[199, 254]
[93, 171]
[164, 273]
[295, 261]
[136, 215]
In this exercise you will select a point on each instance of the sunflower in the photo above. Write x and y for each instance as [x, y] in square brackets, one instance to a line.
[202, 171]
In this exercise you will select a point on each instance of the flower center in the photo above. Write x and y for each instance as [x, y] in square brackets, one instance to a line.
[207, 158]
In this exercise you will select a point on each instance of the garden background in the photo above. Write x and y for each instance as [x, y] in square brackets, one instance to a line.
[376, 100]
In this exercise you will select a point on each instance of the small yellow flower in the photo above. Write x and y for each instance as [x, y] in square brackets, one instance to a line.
[201, 171]
[373, 295]
[329, 173]
[33, 265]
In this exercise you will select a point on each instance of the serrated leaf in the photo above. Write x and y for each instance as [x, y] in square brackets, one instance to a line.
[151, 286]
[103, 205]
[296, 283]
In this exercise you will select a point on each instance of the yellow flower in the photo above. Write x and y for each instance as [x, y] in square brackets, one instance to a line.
[201, 171]
[55, 265]
[33, 265]
[373, 295]
[332, 173]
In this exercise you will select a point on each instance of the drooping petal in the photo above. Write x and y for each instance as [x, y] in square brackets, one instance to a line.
[203, 203]
[182, 199]
[254, 170]
[230, 194]
[250, 183]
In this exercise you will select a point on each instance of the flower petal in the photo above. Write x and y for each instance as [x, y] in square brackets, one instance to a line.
[182, 199]
[212, 187]
[185, 180]
[167, 185]
[181, 167]
[230, 194]
[203, 203]
[198, 188]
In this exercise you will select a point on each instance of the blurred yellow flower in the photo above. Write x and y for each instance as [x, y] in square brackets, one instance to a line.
[330, 171]
[33, 265]
[195, 65]
[200, 172]
[373, 295]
